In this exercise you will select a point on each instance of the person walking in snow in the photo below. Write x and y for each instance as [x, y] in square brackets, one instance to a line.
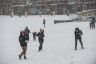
[40, 38]
[23, 44]
[34, 36]
[27, 31]
[44, 22]
[78, 33]
[92, 23]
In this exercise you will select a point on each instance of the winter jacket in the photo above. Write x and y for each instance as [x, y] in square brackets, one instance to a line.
[40, 36]
[34, 33]
[27, 31]
[22, 39]
[78, 34]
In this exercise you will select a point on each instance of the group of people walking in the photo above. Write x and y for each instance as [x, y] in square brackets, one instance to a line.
[24, 38]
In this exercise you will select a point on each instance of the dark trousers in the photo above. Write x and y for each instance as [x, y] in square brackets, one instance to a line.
[76, 40]
[92, 25]
[40, 47]
[34, 38]
[27, 37]
[44, 25]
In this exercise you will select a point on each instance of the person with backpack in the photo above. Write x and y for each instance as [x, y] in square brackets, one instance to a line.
[78, 33]
[23, 44]
[40, 38]
[27, 31]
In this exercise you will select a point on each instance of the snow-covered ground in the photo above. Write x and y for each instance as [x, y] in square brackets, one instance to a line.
[58, 46]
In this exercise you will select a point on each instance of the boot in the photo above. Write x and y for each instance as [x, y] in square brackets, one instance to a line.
[82, 47]
[75, 48]
[19, 56]
[25, 57]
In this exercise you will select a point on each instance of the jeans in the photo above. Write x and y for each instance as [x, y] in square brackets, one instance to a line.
[40, 47]
[80, 40]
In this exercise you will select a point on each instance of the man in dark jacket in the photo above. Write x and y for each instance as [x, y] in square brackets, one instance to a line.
[78, 34]
[40, 38]
[27, 31]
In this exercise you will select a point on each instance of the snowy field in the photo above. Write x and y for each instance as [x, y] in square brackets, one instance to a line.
[58, 47]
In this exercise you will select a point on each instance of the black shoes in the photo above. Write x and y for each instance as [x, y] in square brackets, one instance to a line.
[75, 49]
[25, 57]
[82, 47]
[19, 56]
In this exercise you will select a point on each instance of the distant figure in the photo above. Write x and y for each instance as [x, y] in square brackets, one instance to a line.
[19, 13]
[40, 38]
[44, 22]
[92, 23]
[23, 44]
[27, 31]
[78, 33]
[11, 14]
[34, 36]
[25, 14]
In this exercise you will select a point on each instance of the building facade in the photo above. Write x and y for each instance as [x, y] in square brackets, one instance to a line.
[83, 5]
[45, 7]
